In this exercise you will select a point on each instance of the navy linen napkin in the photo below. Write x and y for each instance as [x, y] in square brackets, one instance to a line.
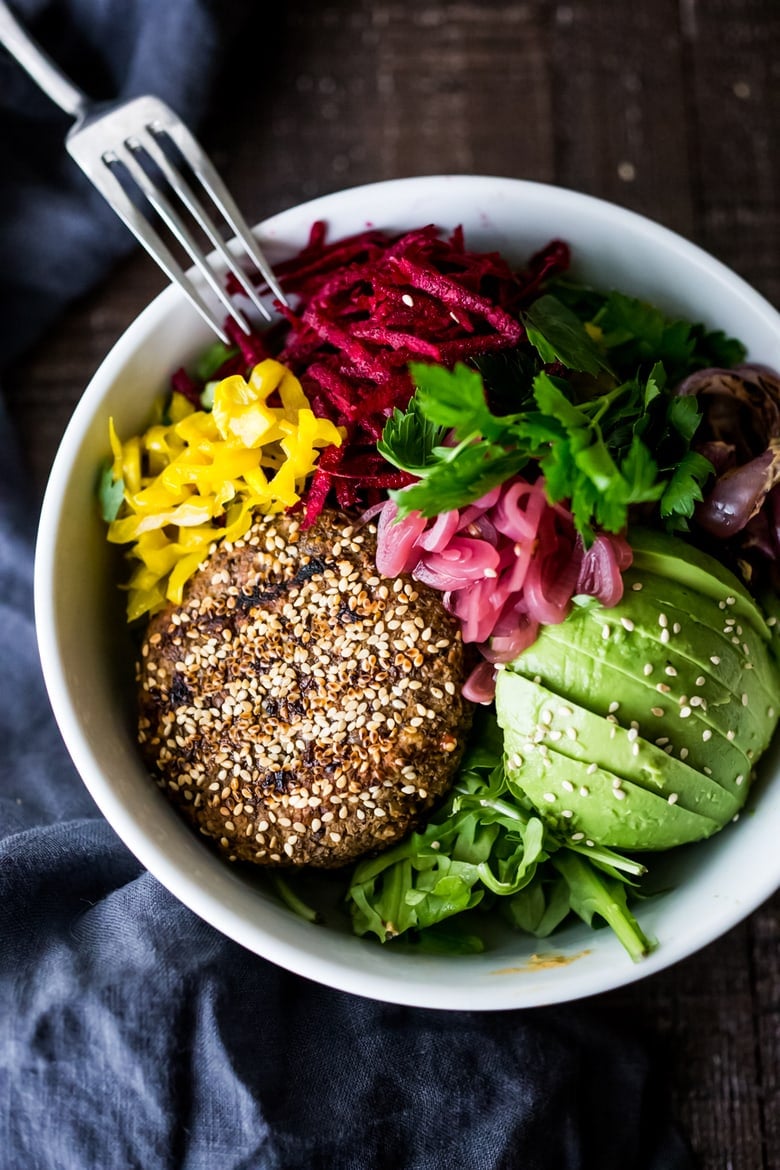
[132, 1034]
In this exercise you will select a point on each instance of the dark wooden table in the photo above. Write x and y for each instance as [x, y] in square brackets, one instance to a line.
[669, 107]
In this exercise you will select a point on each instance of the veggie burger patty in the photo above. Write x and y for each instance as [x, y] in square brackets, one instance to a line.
[299, 708]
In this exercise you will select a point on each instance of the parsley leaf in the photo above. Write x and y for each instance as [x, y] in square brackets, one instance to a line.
[460, 477]
[557, 334]
[455, 399]
[683, 491]
[409, 439]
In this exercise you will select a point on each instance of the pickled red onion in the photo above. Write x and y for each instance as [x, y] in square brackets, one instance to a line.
[506, 565]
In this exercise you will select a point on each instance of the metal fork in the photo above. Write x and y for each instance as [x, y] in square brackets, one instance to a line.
[125, 148]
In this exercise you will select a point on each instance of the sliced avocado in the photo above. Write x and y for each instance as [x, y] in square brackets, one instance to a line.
[695, 623]
[537, 723]
[637, 819]
[637, 651]
[608, 677]
[675, 560]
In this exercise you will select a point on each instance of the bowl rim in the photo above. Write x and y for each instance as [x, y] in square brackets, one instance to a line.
[264, 941]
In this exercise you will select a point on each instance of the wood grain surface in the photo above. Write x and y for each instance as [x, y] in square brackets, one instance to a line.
[669, 107]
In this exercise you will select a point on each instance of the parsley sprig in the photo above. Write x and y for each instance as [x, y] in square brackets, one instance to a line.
[594, 413]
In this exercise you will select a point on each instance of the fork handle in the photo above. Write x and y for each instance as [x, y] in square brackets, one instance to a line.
[43, 71]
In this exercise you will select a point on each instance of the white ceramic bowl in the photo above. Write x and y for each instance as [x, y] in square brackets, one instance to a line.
[86, 655]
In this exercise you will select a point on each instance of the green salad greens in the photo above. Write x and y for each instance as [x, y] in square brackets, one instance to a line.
[486, 848]
[606, 430]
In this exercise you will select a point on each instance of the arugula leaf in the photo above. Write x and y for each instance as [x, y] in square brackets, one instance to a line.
[539, 908]
[591, 894]
[111, 492]
[488, 846]
[557, 334]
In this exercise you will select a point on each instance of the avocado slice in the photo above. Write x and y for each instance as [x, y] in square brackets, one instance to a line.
[695, 623]
[671, 695]
[715, 731]
[674, 559]
[636, 820]
[550, 736]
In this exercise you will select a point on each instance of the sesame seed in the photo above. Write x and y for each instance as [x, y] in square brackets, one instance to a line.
[566, 812]
[632, 734]
[578, 837]
[672, 798]
[744, 700]
[683, 753]
[549, 797]
[663, 621]
[739, 780]
[637, 586]
[657, 711]
[589, 844]
[707, 771]
[627, 624]
[408, 300]
[670, 671]
[663, 688]
[605, 632]
[619, 793]
[591, 768]
[614, 706]
[685, 712]
[664, 636]
[715, 660]
[647, 669]
[730, 734]
[700, 681]
[706, 735]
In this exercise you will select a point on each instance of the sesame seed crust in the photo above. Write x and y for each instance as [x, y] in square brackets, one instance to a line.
[297, 707]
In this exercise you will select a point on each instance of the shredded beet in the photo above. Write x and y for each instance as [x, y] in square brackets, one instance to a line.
[182, 383]
[363, 308]
[368, 305]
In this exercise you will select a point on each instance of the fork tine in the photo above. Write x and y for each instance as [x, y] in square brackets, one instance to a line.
[223, 200]
[162, 205]
[112, 190]
[184, 191]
